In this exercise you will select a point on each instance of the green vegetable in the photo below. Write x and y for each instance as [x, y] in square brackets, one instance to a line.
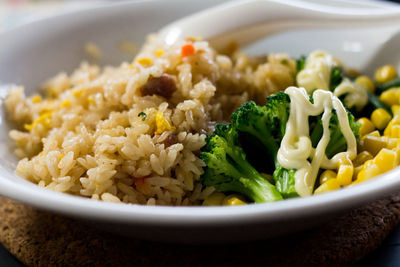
[337, 74]
[393, 83]
[337, 142]
[229, 171]
[144, 115]
[300, 63]
[336, 77]
[267, 124]
[374, 103]
[254, 120]
[285, 182]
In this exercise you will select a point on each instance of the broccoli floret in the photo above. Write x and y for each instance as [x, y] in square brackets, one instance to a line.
[285, 182]
[337, 142]
[274, 117]
[254, 120]
[278, 110]
[228, 170]
[262, 128]
[300, 63]
[267, 124]
[336, 77]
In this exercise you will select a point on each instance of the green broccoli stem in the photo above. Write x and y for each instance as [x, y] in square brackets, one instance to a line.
[336, 144]
[260, 189]
[383, 87]
[285, 181]
[229, 171]
[316, 133]
[374, 103]
[256, 186]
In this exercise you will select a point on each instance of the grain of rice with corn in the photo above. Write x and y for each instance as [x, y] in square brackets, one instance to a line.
[133, 133]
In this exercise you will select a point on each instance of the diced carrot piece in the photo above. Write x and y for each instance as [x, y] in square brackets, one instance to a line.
[187, 50]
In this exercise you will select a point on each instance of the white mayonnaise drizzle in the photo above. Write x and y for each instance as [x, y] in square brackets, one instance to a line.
[356, 95]
[317, 74]
[296, 148]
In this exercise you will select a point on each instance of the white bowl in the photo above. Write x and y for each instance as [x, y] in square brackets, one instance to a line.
[31, 53]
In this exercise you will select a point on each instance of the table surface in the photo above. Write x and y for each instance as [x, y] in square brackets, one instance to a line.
[388, 254]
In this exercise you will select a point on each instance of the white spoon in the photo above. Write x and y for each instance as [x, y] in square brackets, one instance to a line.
[249, 20]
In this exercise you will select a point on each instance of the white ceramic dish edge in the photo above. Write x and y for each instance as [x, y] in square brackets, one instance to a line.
[192, 217]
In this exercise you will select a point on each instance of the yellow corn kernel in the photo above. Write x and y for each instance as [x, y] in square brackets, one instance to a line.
[345, 174]
[44, 119]
[96, 185]
[366, 82]
[393, 131]
[380, 118]
[345, 161]
[362, 157]
[162, 124]
[369, 163]
[91, 100]
[326, 175]
[52, 92]
[159, 52]
[330, 185]
[360, 177]
[357, 171]
[375, 133]
[395, 110]
[366, 126]
[390, 97]
[392, 143]
[385, 160]
[65, 103]
[28, 126]
[394, 121]
[215, 199]
[233, 200]
[36, 99]
[374, 144]
[77, 93]
[372, 171]
[397, 151]
[385, 74]
[62, 156]
[145, 61]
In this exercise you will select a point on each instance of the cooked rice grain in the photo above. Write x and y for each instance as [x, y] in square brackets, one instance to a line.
[95, 135]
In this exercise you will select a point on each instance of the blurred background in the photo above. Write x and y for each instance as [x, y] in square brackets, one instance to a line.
[14, 12]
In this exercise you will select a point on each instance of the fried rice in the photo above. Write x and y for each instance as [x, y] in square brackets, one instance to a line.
[133, 133]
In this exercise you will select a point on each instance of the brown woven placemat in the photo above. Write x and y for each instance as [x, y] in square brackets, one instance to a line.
[39, 238]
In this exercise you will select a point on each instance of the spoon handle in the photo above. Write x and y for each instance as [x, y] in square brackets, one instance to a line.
[249, 20]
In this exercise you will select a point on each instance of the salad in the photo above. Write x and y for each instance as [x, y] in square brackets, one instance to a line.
[333, 130]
